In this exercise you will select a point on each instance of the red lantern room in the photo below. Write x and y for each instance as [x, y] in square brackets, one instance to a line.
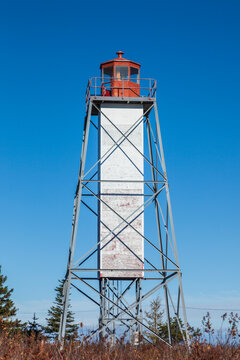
[120, 77]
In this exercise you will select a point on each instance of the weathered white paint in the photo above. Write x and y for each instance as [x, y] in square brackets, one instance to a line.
[118, 166]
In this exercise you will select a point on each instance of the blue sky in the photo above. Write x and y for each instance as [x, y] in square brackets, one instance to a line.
[49, 49]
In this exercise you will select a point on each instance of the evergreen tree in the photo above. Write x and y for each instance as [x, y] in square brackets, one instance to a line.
[175, 330]
[156, 323]
[34, 328]
[54, 316]
[155, 318]
[7, 308]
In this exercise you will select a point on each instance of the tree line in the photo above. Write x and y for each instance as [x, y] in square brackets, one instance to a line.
[9, 323]
[154, 318]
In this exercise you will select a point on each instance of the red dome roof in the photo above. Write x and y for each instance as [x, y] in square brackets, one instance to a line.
[119, 59]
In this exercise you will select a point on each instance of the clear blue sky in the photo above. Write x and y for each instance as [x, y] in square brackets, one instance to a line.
[49, 49]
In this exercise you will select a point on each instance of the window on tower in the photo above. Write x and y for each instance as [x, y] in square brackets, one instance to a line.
[107, 73]
[134, 76]
[121, 72]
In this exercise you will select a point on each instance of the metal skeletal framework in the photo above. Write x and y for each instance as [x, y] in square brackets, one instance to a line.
[121, 300]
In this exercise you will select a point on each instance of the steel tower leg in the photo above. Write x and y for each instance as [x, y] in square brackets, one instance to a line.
[102, 314]
[76, 208]
[155, 188]
[139, 309]
[171, 222]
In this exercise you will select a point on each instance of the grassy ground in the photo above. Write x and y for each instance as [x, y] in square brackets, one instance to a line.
[208, 344]
[22, 347]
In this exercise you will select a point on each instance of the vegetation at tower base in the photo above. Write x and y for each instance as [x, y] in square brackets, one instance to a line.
[158, 325]
[22, 347]
[19, 346]
[54, 316]
[8, 309]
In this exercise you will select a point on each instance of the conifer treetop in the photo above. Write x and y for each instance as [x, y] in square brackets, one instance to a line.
[7, 308]
[54, 316]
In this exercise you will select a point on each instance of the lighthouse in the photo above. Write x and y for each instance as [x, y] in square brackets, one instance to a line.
[123, 182]
[121, 174]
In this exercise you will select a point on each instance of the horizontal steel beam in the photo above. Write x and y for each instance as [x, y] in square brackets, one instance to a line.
[127, 181]
[122, 279]
[116, 194]
[140, 269]
[128, 100]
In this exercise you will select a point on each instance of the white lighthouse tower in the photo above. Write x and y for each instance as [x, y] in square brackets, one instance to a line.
[121, 173]
[132, 255]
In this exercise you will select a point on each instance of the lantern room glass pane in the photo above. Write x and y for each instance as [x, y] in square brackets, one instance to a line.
[107, 73]
[121, 73]
[134, 75]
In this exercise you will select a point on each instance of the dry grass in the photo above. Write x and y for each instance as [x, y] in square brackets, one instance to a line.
[22, 347]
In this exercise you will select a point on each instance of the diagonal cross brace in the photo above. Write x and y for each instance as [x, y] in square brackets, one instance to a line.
[125, 221]
[126, 138]
[120, 140]
[171, 277]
